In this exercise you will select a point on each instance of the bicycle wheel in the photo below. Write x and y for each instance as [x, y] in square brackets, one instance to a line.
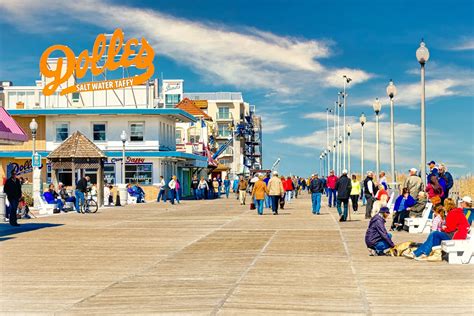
[92, 206]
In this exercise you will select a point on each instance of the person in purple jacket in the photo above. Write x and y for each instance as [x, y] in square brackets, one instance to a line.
[377, 238]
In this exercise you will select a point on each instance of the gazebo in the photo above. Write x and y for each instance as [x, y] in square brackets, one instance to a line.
[79, 152]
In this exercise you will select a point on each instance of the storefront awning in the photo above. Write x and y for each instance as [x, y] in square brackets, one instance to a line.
[10, 132]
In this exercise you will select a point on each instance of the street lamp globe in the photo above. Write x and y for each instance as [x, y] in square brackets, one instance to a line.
[340, 139]
[334, 143]
[362, 119]
[422, 53]
[349, 130]
[377, 106]
[329, 148]
[33, 126]
[391, 90]
[123, 136]
[325, 152]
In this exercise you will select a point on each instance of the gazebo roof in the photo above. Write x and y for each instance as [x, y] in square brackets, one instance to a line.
[191, 107]
[77, 146]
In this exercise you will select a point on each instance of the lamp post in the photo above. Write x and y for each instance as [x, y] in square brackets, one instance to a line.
[36, 174]
[349, 131]
[324, 162]
[362, 120]
[327, 126]
[320, 162]
[123, 137]
[334, 144]
[339, 153]
[339, 103]
[344, 95]
[377, 107]
[329, 158]
[391, 92]
[423, 54]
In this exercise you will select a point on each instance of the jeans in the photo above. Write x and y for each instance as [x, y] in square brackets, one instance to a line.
[434, 239]
[332, 197]
[219, 191]
[196, 194]
[172, 195]
[382, 245]
[355, 201]
[227, 191]
[346, 208]
[288, 196]
[12, 211]
[259, 206]
[177, 195]
[275, 203]
[268, 201]
[369, 206]
[60, 204]
[161, 195]
[79, 200]
[399, 218]
[316, 199]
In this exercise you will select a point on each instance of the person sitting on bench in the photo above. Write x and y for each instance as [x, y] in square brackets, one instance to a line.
[402, 203]
[377, 238]
[52, 197]
[416, 211]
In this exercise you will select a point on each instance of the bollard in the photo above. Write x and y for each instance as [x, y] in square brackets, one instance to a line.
[3, 208]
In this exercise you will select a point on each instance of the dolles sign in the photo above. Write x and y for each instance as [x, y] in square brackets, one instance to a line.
[141, 59]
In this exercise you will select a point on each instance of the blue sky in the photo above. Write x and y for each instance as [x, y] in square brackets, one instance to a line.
[288, 58]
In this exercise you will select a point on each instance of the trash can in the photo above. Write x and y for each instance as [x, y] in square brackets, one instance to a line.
[122, 188]
[3, 208]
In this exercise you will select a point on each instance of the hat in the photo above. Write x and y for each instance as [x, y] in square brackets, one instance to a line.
[384, 209]
[467, 199]
[344, 171]
[275, 173]
[413, 170]
[431, 162]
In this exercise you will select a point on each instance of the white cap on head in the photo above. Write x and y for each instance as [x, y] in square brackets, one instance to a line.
[313, 175]
[467, 199]
[275, 173]
[344, 171]
[413, 170]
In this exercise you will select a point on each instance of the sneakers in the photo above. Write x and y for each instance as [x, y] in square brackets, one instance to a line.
[372, 252]
[409, 255]
[423, 257]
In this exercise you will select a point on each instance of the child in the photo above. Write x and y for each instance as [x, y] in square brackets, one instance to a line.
[438, 220]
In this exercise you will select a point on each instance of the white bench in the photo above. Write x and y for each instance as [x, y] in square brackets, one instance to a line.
[131, 199]
[45, 208]
[459, 251]
[391, 203]
[420, 225]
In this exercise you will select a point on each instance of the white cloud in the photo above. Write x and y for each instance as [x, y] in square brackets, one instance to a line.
[246, 57]
[464, 44]
[272, 123]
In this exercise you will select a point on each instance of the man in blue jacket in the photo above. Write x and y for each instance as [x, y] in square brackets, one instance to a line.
[316, 187]
[377, 238]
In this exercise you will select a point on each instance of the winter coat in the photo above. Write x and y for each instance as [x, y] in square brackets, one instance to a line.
[331, 183]
[288, 185]
[417, 209]
[259, 190]
[355, 187]
[377, 232]
[343, 187]
[410, 201]
[12, 189]
[432, 192]
[457, 224]
[316, 186]
[275, 187]
[414, 185]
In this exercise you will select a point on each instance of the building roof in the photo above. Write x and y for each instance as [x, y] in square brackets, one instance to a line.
[191, 107]
[177, 114]
[77, 146]
[10, 132]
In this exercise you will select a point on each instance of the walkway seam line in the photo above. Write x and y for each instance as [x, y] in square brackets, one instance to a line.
[243, 275]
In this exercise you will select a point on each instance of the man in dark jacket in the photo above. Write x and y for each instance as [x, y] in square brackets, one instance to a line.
[377, 238]
[448, 180]
[316, 187]
[343, 188]
[194, 187]
[12, 189]
[81, 188]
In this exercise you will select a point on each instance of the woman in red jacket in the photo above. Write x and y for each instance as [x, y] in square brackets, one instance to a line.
[456, 228]
[288, 186]
[434, 190]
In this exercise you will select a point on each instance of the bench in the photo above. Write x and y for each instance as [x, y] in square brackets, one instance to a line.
[391, 203]
[420, 225]
[459, 251]
[44, 208]
[131, 199]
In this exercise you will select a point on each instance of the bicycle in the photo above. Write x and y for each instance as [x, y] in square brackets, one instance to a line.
[89, 205]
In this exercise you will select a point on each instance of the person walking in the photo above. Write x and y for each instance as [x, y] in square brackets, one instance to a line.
[210, 191]
[194, 187]
[219, 186]
[331, 184]
[258, 194]
[178, 190]
[268, 200]
[316, 187]
[227, 186]
[203, 187]
[242, 187]
[369, 192]
[162, 190]
[288, 185]
[172, 190]
[413, 183]
[235, 187]
[355, 193]
[81, 189]
[12, 189]
[275, 191]
[343, 187]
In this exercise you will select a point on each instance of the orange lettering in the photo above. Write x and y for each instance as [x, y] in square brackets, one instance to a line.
[58, 79]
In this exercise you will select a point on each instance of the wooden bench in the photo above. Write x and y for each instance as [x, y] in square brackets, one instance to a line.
[420, 225]
[459, 251]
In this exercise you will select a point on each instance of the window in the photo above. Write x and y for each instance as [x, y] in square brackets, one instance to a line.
[139, 173]
[223, 113]
[62, 132]
[109, 173]
[136, 132]
[223, 130]
[98, 132]
[179, 136]
[75, 97]
[171, 100]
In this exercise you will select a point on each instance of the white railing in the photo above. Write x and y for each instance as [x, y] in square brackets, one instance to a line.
[215, 96]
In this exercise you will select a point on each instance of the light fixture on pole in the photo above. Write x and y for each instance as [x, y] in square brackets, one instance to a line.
[423, 54]
[36, 186]
[349, 131]
[339, 153]
[392, 92]
[123, 137]
[377, 107]
[344, 95]
[362, 120]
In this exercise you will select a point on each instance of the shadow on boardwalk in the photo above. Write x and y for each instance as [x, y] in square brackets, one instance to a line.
[6, 230]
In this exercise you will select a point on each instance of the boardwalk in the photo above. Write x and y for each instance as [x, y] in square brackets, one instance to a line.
[216, 257]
